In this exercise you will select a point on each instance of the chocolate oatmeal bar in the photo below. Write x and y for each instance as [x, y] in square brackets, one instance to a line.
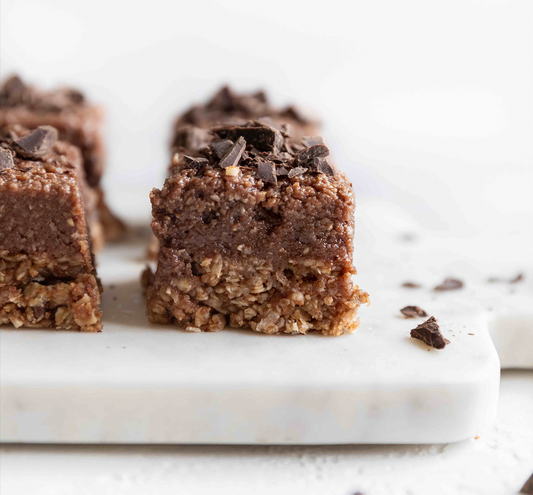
[47, 273]
[78, 122]
[191, 129]
[256, 231]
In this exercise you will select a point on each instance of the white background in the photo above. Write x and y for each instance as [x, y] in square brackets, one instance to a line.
[426, 103]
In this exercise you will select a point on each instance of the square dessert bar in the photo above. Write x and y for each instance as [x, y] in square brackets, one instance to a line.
[191, 129]
[78, 122]
[256, 231]
[47, 272]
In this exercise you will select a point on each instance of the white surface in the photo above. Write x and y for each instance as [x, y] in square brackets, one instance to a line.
[139, 383]
[496, 463]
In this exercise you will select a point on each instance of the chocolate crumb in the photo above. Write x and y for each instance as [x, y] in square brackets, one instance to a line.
[267, 172]
[196, 163]
[517, 279]
[37, 143]
[450, 284]
[528, 486]
[296, 171]
[413, 312]
[470, 334]
[429, 333]
[221, 147]
[233, 155]
[411, 285]
[282, 171]
[6, 159]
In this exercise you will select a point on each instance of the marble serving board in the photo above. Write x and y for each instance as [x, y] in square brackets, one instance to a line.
[142, 383]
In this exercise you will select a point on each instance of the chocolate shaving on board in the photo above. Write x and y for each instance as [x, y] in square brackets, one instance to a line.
[233, 155]
[6, 159]
[413, 312]
[429, 333]
[411, 285]
[450, 284]
[36, 143]
[528, 486]
[517, 279]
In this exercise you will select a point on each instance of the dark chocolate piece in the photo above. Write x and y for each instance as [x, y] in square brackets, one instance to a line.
[450, 284]
[517, 279]
[429, 333]
[264, 138]
[528, 486]
[223, 100]
[221, 147]
[37, 143]
[6, 159]
[297, 171]
[191, 138]
[307, 155]
[411, 285]
[196, 163]
[282, 171]
[233, 155]
[321, 165]
[267, 172]
[413, 312]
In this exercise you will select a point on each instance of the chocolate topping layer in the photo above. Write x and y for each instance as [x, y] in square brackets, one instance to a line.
[227, 107]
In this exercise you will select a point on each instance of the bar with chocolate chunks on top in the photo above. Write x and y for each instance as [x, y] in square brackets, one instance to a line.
[78, 122]
[256, 231]
[47, 271]
[191, 129]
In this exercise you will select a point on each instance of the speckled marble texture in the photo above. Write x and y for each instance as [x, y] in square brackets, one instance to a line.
[496, 463]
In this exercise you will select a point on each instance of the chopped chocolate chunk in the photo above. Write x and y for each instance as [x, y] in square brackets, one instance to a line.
[517, 279]
[13, 84]
[267, 172]
[297, 171]
[307, 155]
[6, 159]
[37, 143]
[223, 100]
[233, 155]
[190, 137]
[221, 147]
[429, 333]
[413, 312]
[196, 163]
[264, 138]
[450, 284]
[321, 165]
[528, 486]
[411, 285]
[312, 140]
[281, 171]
